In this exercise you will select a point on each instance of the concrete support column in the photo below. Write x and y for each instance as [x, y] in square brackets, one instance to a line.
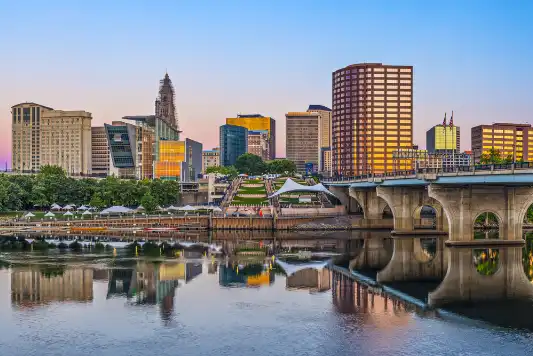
[463, 283]
[403, 201]
[376, 253]
[409, 262]
[371, 205]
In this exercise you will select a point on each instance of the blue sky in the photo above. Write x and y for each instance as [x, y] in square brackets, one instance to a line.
[269, 57]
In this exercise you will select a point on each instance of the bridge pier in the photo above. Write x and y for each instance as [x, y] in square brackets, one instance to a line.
[342, 193]
[404, 201]
[372, 207]
[410, 262]
[463, 283]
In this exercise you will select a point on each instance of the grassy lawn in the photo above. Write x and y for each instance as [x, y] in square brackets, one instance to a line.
[254, 190]
[240, 200]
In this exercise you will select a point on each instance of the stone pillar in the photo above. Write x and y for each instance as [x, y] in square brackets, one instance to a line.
[403, 201]
[408, 262]
[462, 204]
[463, 283]
[372, 206]
[342, 194]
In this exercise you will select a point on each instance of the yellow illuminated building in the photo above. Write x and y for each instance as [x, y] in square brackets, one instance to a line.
[259, 280]
[510, 140]
[171, 157]
[257, 123]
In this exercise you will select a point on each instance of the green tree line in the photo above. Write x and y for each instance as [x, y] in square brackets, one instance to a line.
[494, 156]
[52, 185]
[253, 165]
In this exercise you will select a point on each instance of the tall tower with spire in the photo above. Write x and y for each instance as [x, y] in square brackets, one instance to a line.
[164, 104]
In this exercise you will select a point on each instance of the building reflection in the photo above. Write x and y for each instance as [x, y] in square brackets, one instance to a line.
[242, 276]
[310, 279]
[152, 284]
[36, 286]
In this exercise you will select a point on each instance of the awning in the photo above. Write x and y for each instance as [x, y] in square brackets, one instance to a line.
[291, 186]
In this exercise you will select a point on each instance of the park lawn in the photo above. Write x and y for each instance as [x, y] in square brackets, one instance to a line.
[240, 200]
[253, 181]
[252, 190]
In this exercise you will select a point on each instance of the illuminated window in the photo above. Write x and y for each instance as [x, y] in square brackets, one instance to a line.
[405, 70]
[405, 116]
[405, 104]
[392, 115]
[392, 92]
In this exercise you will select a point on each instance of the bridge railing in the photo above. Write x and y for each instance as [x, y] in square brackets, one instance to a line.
[439, 170]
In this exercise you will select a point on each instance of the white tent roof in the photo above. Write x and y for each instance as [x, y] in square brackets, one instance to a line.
[172, 207]
[83, 207]
[291, 269]
[29, 215]
[217, 209]
[55, 207]
[68, 213]
[140, 207]
[291, 186]
[87, 212]
[187, 208]
[116, 210]
[49, 214]
[68, 207]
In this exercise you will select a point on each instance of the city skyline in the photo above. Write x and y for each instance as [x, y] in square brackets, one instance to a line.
[451, 59]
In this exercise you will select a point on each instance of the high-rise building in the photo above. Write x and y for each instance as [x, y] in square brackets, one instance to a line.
[99, 151]
[210, 158]
[324, 135]
[302, 144]
[509, 140]
[233, 143]
[179, 160]
[66, 140]
[256, 122]
[165, 108]
[441, 139]
[121, 138]
[26, 136]
[372, 117]
[259, 144]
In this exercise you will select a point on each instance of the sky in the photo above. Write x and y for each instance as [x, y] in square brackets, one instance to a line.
[267, 57]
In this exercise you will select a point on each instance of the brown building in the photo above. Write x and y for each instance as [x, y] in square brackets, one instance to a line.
[259, 144]
[302, 139]
[372, 117]
[100, 151]
[510, 140]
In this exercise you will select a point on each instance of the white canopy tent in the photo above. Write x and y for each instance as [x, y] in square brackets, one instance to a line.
[216, 209]
[291, 186]
[187, 208]
[87, 212]
[116, 210]
[291, 269]
[29, 215]
[49, 214]
[83, 207]
[172, 207]
[68, 213]
[68, 207]
[55, 207]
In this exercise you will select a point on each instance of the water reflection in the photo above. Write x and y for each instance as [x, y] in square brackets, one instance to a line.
[486, 261]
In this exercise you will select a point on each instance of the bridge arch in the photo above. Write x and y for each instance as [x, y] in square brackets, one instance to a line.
[428, 216]
[484, 222]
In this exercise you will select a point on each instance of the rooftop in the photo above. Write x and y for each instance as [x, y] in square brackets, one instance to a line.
[318, 107]
[34, 104]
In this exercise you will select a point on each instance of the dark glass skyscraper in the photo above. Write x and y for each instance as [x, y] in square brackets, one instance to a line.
[233, 143]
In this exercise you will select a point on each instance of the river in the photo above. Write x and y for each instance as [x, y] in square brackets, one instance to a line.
[62, 303]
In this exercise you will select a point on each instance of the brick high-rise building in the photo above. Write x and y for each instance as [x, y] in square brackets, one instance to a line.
[100, 151]
[509, 140]
[372, 117]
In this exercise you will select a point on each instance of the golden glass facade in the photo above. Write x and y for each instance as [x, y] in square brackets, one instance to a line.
[445, 138]
[171, 156]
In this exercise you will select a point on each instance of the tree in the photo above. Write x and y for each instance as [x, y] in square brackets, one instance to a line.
[97, 201]
[229, 171]
[281, 166]
[492, 157]
[250, 164]
[149, 203]
[52, 170]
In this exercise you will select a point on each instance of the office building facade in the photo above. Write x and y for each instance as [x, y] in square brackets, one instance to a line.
[509, 140]
[259, 144]
[210, 158]
[443, 139]
[324, 134]
[99, 152]
[233, 143]
[256, 122]
[302, 143]
[26, 136]
[372, 117]
[122, 149]
[179, 160]
[66, 140]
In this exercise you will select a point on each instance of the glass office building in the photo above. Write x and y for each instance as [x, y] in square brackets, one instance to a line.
[233, 143]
